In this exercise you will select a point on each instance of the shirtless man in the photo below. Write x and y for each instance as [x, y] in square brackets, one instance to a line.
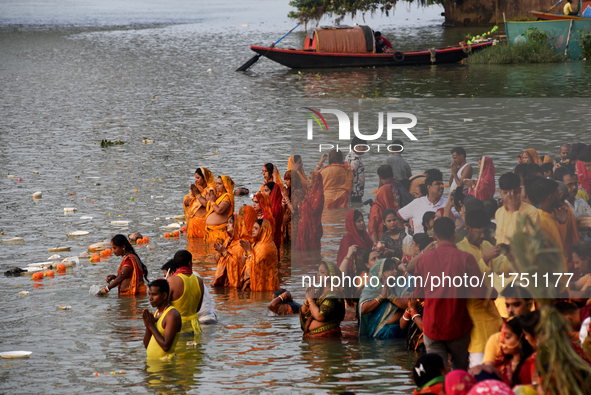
[460, 169]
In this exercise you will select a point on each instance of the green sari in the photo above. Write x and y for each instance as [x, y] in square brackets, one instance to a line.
[374, 324]
[332, 307]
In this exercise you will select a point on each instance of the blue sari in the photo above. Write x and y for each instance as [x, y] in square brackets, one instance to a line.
[374, 324]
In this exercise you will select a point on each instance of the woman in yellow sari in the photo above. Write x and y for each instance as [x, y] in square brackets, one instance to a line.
[260, 260]
[219, 207]
[195, 202]
[337, 180]
[296, 165]
[530, 155]
[229, 269]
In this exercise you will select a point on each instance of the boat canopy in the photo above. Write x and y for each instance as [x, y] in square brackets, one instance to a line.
[341, 39]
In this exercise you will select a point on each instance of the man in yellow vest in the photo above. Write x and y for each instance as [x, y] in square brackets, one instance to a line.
[163, 327]
[186, 291]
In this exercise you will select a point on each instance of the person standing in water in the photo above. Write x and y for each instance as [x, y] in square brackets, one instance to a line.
[195, 202]
[460, 169]
[129, 276]
[162, 327]
[219, 208]
[186, 291]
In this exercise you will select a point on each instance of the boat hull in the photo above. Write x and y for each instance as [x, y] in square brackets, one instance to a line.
[299, 59]
[554, 17]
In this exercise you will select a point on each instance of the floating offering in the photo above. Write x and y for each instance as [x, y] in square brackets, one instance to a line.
[99, 246]
[37, 195]
[49, 273]
[70, 210]
[54, 257]
[172, 226]
[9, 176]
[60, 249]
[61, 267]
[184, 229]
[15, 240]
[23, 293]
[78, 233]
[95, 258]
[64, 307]
[119, 222]
[176, 233]
[37, 276]
[167, 234]
[179, 217]
[85, 217]
[16, 354]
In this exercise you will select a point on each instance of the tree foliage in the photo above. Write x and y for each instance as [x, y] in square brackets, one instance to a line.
[314, 10]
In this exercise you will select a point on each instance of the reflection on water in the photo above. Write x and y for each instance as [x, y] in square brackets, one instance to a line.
[65, 88]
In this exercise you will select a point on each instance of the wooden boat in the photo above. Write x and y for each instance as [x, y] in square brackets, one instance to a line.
[345, 46]
[554, 17]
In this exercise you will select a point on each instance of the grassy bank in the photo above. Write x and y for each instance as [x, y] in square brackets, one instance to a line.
[515, 54]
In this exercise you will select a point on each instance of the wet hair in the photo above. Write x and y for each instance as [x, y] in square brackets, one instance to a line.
[530, 322]
[270, 168]
[444, 228]
[377, 33]
[509, 181]
[548, 166]
[561, 172]
[532, 169]
[585, 154]
[458, 197]
[270, 185]
[434, 175]
[198, 171]
[296, 158]
[528, 183]
[385, 172]
[387, 212]
[161, 284]
[423, 189]
[357, 141]
[428, 217]
[458, 151]
[566, 308]
[183, 258]
[477, 218]
[543, 188]
[520, 169]
[526, 348]
[491, 206]
[356, 215]
[121, 241]
[517, 292]
[335, 156]
[169, 265]
[582, 249]
[260, 221]
[389, 264]
[422, 240]
[427, 367]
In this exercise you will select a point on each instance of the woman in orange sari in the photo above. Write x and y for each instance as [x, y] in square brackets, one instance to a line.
[264, 209]
[310, 210]
[293, 196]
[295, 163]
[219, 207]
[229, 265]
[250, 216]
[272, 190]
[271, 174]
[260, 261]
[337, 180]
[131, 270]
[195, 202]
[530, 155]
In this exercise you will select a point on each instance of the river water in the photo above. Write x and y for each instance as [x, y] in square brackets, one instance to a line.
[72, 75]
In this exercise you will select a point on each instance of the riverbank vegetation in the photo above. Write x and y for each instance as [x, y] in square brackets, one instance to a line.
[535, 46]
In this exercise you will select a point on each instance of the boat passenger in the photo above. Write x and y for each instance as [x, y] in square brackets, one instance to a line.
[568, 8]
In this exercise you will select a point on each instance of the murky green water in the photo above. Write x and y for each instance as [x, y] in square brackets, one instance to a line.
[70, 78]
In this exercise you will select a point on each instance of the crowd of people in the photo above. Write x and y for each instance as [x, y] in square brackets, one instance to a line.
[513, 335]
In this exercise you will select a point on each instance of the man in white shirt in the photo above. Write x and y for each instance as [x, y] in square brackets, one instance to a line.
[432, 202]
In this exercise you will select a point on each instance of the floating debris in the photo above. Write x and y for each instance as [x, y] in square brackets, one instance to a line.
[37, 195]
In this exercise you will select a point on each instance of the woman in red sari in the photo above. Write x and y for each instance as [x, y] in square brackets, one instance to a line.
[264, 209]
[356, 235]
[129, 276]
[274, 192]
[337, 180]
[310, 226]
[484, 187]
